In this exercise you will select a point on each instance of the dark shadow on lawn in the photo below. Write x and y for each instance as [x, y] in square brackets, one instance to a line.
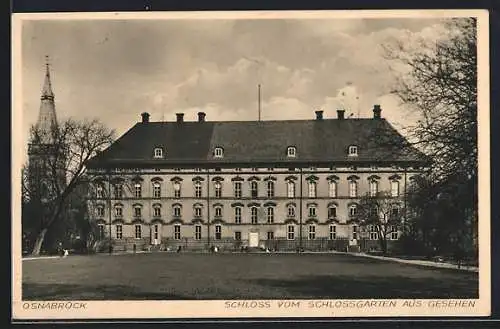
[35, 291]
[348, 287]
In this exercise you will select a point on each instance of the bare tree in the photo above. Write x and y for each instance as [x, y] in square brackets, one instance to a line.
[59, 168]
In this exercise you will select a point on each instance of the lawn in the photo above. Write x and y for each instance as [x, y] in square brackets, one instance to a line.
[161, 276]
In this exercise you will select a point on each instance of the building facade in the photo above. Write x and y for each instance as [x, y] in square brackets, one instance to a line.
[283, 185]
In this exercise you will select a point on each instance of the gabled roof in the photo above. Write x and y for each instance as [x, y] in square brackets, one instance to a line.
[325, 140]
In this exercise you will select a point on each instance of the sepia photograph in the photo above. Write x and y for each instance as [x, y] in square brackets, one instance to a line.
[267, 164]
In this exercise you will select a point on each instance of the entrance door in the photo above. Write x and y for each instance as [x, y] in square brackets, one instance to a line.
[156, 234]
[253, 239]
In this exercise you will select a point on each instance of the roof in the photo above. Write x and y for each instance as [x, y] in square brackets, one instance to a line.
[325, 140]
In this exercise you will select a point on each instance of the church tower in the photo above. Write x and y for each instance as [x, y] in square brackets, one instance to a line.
[45, 152]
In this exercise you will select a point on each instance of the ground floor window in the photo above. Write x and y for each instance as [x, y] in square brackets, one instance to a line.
[355, 232]
[197, 232]
[291, 232]
[155, 232]
[119, 231]
[101, 231]
[218, 232]
[177, 232]
[138, 231]
[333, 232]
[312, 232]
[373, 232]
[270, 235]
[237, 236]
[394, 233]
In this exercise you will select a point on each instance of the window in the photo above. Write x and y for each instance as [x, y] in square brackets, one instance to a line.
[253, 215]
[312, 189]
[177, 211]
[291, 210]
[270, 215]
[394, 188]
[373, 212]
[119, 231]
[353, 210]
[270, 189]
[218, 189]
[237, 169]
[156, 190]
[237, 190]
[155, 231]
[197, 211]
[118, 211]
[333, 232]
[137, 211]
[158, 152]
[353, 189]
[254, 187]
[197, 189]
[218, 152]
[218, 211]
[157, 211]
[353, 150]
[312, 210]
[373, 188]
[270, 235]
[218, 232]
[237, 215]
[332, 189]
[394, 211]
[137, 190]
[291, 189]
[332, 212]
[138, 232]
[237, 235]
[291, 152]
[100, 211]
[99, 192]
[177, 232]
[118, 191]
[177, 190]
[101, 231]
[290, 232]
[355, 232]
[197, 169]
[394, 233]
[373, 232]
[312, 232]
[197, 232]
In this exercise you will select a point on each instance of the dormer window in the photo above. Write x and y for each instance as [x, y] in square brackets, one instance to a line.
[218, 152]
[158, 152]
[353, 151]
[291, 152]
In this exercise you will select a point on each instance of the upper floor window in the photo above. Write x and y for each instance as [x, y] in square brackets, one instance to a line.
[270, 215]
[237, 215]
[353, 210]
[312, 210]
[254, 215]
[291, 189]
[197, 189]
[177, 211]
[157, 211]
[197, 211]
[177, 189]
[332, 189]
[137, 211]
[99, 191]
[394, 188]
[138, 190]
[254, 189]
[353, 150]
[218, 189]
[270, 189]
[118, 211]
[353, 189]
[156, 190]
[373, 188]
[100, 211]
[218, 211]
[312, 189]
[291, 210]
[218, 152]
[118, 191]
[332, 212]
[158, 153]
[237, 190]
[291, 152]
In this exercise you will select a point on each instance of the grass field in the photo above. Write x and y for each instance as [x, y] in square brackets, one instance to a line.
[160, 276]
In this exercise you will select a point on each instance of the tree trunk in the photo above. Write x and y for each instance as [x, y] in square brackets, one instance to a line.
[38, 242]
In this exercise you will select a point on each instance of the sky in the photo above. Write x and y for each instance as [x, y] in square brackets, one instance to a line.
[114, 70]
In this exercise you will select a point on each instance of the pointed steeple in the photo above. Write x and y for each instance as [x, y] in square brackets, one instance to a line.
[47, 120]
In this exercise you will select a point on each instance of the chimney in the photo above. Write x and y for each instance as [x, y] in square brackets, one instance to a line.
[145, 117]
[180, 117]
[319, 115]
[201, 116]
[340, 114]
[376, 111]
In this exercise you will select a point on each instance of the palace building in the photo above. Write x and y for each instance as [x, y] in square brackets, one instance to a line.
[280, 184]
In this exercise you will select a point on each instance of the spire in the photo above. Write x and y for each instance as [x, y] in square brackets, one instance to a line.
[47, 119]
